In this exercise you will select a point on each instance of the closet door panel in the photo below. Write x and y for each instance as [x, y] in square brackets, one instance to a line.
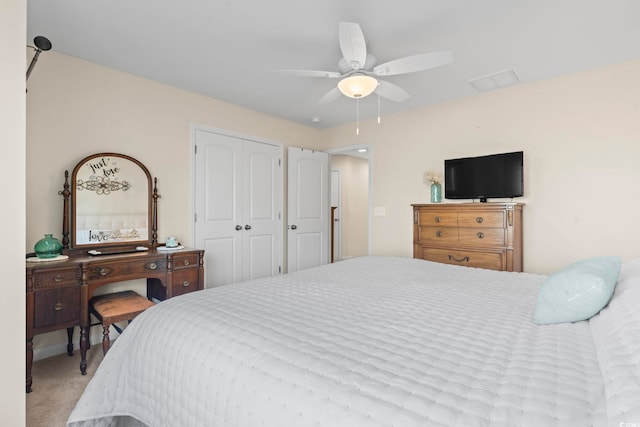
[262, 197]
[218, 207]
[308, 209]
[225, 265]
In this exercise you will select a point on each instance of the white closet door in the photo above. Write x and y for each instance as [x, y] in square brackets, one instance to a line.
[238, 204]
[308, 209]
[218, 209]
[262, 195]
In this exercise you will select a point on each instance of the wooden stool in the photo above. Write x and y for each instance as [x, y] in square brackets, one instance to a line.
[117, 307]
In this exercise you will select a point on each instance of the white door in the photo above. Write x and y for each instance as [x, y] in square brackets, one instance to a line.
[308, 208]
[337, 224]
[262, 212]
[238, 205]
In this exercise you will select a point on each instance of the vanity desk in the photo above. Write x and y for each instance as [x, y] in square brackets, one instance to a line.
[109, 235]
[58, 292]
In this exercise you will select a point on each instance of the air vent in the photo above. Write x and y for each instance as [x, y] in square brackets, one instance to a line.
[494, 81]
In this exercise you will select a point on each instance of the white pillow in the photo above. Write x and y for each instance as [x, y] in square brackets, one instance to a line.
[616, 335]
[578, 291]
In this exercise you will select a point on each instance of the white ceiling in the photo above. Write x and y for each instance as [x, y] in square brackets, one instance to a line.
[229, 49]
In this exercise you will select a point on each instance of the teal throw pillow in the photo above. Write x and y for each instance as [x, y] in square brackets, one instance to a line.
[578, 291]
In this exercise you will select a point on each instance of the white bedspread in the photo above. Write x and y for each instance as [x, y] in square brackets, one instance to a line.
[373, 341]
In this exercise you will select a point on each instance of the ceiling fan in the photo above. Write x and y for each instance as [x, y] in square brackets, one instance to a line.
[360, 74]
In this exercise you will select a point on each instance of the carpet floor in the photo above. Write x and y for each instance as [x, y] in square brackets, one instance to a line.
[57, 386]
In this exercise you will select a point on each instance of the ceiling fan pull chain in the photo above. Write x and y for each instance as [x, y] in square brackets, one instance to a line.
[357, 116]
[378, 108]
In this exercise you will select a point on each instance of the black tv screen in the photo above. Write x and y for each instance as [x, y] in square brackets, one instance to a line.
[493, 176]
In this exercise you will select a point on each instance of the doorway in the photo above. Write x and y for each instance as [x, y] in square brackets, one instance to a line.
[350, 195]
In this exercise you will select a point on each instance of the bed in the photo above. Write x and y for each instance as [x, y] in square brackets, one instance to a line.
[373, 341]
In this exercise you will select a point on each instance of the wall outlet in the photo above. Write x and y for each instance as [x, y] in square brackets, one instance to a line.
[380, 211]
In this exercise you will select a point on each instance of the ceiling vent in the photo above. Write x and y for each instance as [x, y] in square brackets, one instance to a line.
[494, 81]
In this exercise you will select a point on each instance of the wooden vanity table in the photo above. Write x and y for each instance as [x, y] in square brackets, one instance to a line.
[58, 292]
[109, 233]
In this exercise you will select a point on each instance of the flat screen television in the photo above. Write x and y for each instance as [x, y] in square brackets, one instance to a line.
[493, 176]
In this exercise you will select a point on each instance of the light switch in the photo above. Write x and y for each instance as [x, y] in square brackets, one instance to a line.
[380, 211]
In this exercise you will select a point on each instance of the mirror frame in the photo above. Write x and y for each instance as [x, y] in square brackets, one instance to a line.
[70, 195]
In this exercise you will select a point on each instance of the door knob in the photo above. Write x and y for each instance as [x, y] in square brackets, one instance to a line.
[247, 227]
[238, 227]
[294, 227]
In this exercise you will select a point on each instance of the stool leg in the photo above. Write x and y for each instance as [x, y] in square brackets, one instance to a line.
[106, 343]
[70, 341]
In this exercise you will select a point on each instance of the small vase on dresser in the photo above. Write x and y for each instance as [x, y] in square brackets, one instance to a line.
[436, 192]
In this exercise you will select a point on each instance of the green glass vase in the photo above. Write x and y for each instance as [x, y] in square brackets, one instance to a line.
[436, 192]
[49, 247]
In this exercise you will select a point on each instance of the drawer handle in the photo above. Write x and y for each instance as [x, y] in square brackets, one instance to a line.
[452, 258]
[104, 271]
[57, 278]
[439, 233]
[437, 219]
[185, 262]
[480, 235]
[479, 220]
[185, 283]
[153, 266]
[58, 306]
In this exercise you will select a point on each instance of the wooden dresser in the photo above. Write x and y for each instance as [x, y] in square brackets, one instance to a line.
[58, 292]
[485, 235]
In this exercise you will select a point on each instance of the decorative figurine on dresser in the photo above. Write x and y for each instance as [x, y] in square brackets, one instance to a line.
[109, 234]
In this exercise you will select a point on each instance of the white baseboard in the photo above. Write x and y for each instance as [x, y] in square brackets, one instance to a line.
[45, 352]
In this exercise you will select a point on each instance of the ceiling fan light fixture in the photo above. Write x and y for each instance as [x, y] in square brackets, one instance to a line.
[357, 86]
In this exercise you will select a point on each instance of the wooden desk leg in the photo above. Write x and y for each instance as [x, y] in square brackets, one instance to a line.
[84, 331]
[29, 363]
[70, 341]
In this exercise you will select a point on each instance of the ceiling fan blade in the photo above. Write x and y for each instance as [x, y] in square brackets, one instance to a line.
[330, 96]
[411, 64]
[391, 91]
[352, 44]
[310, 73]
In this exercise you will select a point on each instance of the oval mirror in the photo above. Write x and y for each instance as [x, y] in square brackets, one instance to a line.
[111, 202]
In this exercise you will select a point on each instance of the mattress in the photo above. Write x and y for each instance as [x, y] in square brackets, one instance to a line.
[373, 341]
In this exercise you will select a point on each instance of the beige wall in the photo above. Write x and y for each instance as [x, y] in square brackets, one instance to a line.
[581, 138]
[354, 195]
[13, 20]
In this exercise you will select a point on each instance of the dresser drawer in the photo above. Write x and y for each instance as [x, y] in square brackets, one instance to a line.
[468, 258]
[187, 260]
[438, 234]
[134, 267]
[185, 281]
[56, 306]
[438, 218]
[483, 236]
[56, 278]
[482, 219]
